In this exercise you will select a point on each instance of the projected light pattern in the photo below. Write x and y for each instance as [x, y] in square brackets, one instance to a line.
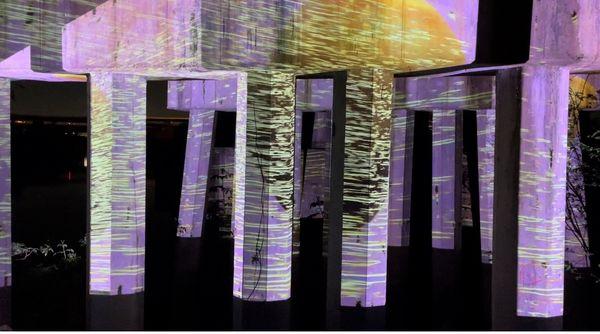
[311, 191]
[195, 172]
[306, 35]
[443, 186]
[542, 193]
[263, 180]
[486, 129]
[366, 176]
[118, 183]
[403, 123]
[5, 186]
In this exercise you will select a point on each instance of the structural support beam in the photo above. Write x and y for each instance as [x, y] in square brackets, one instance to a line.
[446, 185]
[263, 192]
[542, 191]
[118, 183]
[5, 204]
[366, 176]
[401, 177]
[486, 125]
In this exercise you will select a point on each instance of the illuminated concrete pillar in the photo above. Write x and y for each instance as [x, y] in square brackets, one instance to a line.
[5, 204]
[263, 191]
[400, 177]
[117, 197]
[195, 173]
[366, 176]
[529, 207]
[486, 125]
[200, 98]
[445, 204]
[542, 191]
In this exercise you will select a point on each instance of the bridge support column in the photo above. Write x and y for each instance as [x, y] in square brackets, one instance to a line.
[365, 189]
[529, 209]
[5, 205]
[400, 177]
[263, 190]
[117, 200]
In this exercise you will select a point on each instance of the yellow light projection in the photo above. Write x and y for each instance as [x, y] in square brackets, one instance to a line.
[394, 34]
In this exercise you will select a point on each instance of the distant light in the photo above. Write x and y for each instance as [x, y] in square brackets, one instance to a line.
[85, 163]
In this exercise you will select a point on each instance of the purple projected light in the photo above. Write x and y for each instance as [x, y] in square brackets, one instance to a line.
[486, 127]
[118, 183]
[443, 203]
[5, 184]
[542, 191]
[401, 177]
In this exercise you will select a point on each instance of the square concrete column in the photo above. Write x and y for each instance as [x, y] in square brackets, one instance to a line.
[5, 204]
[529, 205]
[117, 183]
[446, 171]
[366, 186]
[542, 191]
[195, 173]
[486, 125]
[264, 184]
[400, 177]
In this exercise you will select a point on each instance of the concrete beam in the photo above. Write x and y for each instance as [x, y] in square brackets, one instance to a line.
[444, 93]
[366, 176]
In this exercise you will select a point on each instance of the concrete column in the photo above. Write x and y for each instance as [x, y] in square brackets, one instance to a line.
[117, 199]
[529, 207]
[486, 125]
[400, 177]
[5, 204]
[365, 190]
[263, 191]
[195, 173]
[446, 178]
[542, 191]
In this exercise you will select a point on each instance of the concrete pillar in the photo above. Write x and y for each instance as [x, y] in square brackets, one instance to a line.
[400, 177]
[195, 173]
[263, 191]
[5, 204]
[365, 189]
[446, 176]
[117, 199]
[542, 191]
[529, 207]
[486, 125]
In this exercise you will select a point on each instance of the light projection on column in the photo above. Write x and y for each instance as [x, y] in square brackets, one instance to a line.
[5, 184]
[582, 95]
[366, 183]
[542, 191]
[263, 186]
[311, 167]
[195, 173]
[118, 183]
[400, 177]
[486, 125]
[443, 202]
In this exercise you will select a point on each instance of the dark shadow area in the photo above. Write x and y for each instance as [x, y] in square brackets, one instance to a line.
[49, 204]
